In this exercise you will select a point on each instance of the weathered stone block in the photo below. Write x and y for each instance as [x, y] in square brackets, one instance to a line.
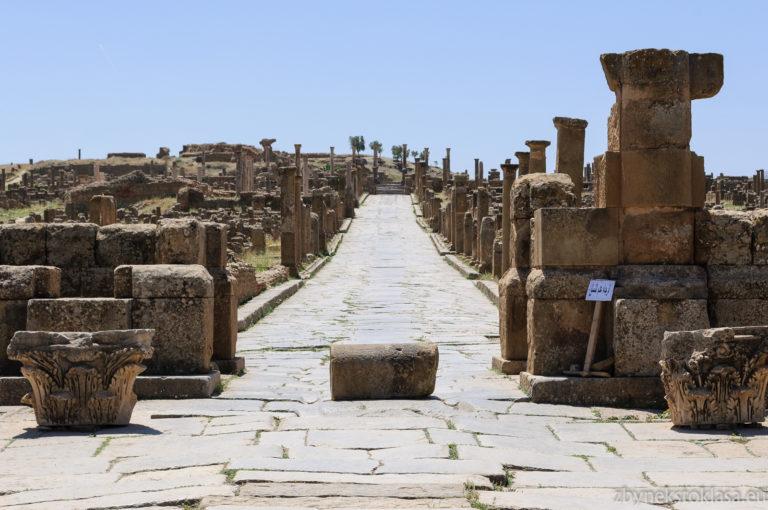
[660, 282]
[22, 244]
[556, 283]
[224, 314]
[558, 332]
[97, 282]
[78, 314]
[655, 178]
[760, 236]
[372, 371]
[180, 241]
[103, 210]
[738, 282]
[520, 243]
[607, 171]
[184, 333]
[125, 244]
[215, 244]
[534, 191]
[70, 244]
[513, 314]
[698, 180]
[26, 282]
[575, 237]
[13, 318]
[657, 236]
[639, 326]
[725, 312]
[163, 281]
[723, 237]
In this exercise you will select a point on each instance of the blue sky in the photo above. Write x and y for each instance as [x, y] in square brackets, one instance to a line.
[480, 77]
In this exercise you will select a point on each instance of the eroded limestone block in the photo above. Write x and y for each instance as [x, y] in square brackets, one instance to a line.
[760, 236]
[215, 244]
[78, 314]
[370, 371]
[716, 376]
[659, 235]
[536, 190]
[13, 318]
[81, 379]
[520, 243]
[184, 333]
[660, 282]
[70, 244]
[224, 314]
[723, 237]
[726, 312]
[163, 281]
[513, 314]
[103, 210]
[27, 282]
[125, 244]
[558, 332]
[22, 244]
[575, 237]
[562, 283]
[180, 241]
[639, 326]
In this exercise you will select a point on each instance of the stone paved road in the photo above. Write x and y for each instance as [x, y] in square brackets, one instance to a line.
[274, 440]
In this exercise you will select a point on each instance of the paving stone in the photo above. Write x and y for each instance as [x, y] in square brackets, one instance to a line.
[549, 446]
[350, 490]
[445, 436]
[577, 479]
[638, 465]
[339, 423]
[245, 475]
[590, 432]
[366, 438]
[552, 410]
[512, 458]
[558, 499]
[423, 451]
[316, 465]
[659, 449]
[727, 449]
[664, 430]
[492, 470]
[292, 439]
[310, 503]
[708, 479]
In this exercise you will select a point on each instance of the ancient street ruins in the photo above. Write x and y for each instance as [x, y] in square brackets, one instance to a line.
[260, 326]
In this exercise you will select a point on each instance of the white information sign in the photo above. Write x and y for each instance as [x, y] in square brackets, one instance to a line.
[600, 290]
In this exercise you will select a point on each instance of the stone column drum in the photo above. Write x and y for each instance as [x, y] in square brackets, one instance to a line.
[538, 156]
[81, 379]
[570, 150]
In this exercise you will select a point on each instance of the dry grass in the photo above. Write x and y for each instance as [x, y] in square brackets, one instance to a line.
[265, 259]
[23, 212]
[148, 206]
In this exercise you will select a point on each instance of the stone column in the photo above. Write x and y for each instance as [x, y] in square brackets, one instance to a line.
[300, 237]
[297, 148]
[318, 207]
[405, 160]
[469, 238]
[2, 181]
[426, 156]
[483, 199]
[375, 167]
[569, 158]
[538, 158]
[477, 172]
[305, 174]
[349, 192]
[288, 239]
[332, 160]
[480, 175]
[459, 208]
[506, 213]
[523, 160]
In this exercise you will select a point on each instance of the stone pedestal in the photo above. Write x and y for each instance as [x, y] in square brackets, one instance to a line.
[538, 156]
[81, 379]
[570, 150]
